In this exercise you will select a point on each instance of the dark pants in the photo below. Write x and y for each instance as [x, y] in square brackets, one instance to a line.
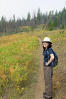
[48, 72]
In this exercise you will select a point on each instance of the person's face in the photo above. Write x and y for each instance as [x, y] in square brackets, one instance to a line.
[45, 44]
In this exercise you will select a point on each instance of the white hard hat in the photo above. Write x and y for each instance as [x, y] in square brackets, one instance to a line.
[46, 39]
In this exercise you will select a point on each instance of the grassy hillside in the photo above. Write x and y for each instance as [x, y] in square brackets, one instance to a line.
[19, 63]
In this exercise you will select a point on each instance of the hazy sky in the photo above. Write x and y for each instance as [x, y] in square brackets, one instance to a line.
[22, 7]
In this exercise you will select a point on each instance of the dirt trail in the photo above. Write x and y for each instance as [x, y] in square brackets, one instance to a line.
[40, 83]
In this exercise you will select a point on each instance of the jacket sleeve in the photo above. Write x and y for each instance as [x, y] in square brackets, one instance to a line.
[50, 51]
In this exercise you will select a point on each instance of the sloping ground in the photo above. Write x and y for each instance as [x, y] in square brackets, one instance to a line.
[40, 82]
[60, 73]
[17, 64]
[36, 89]
[59, 77]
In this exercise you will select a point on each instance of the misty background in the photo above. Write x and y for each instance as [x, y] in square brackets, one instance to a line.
[15, 15]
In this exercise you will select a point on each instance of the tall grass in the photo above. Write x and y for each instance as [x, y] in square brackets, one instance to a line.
[16, 61]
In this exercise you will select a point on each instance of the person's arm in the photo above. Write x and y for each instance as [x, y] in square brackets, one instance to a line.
[51, 59]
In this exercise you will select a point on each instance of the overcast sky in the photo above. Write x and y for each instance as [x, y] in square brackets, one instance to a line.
[21, 7]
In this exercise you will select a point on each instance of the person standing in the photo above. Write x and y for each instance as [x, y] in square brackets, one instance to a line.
[48, 69]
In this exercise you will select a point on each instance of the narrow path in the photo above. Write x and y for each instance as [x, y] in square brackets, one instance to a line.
[40, 83]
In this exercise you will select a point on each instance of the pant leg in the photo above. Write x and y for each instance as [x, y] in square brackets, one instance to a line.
[51, 72]
[48, 72]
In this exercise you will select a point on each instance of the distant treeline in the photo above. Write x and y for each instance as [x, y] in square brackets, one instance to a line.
[50, 21]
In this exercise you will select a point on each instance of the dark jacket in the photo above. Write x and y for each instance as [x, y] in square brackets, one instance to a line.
[46, 54]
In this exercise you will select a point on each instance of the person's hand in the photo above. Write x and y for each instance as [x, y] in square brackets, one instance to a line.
[46, 63]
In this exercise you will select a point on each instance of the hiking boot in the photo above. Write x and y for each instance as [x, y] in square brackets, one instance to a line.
[44, 93]
[47, 98]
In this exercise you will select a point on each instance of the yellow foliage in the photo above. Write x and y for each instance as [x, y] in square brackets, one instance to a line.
[11, 69]
[20, 90]
[2, 75]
